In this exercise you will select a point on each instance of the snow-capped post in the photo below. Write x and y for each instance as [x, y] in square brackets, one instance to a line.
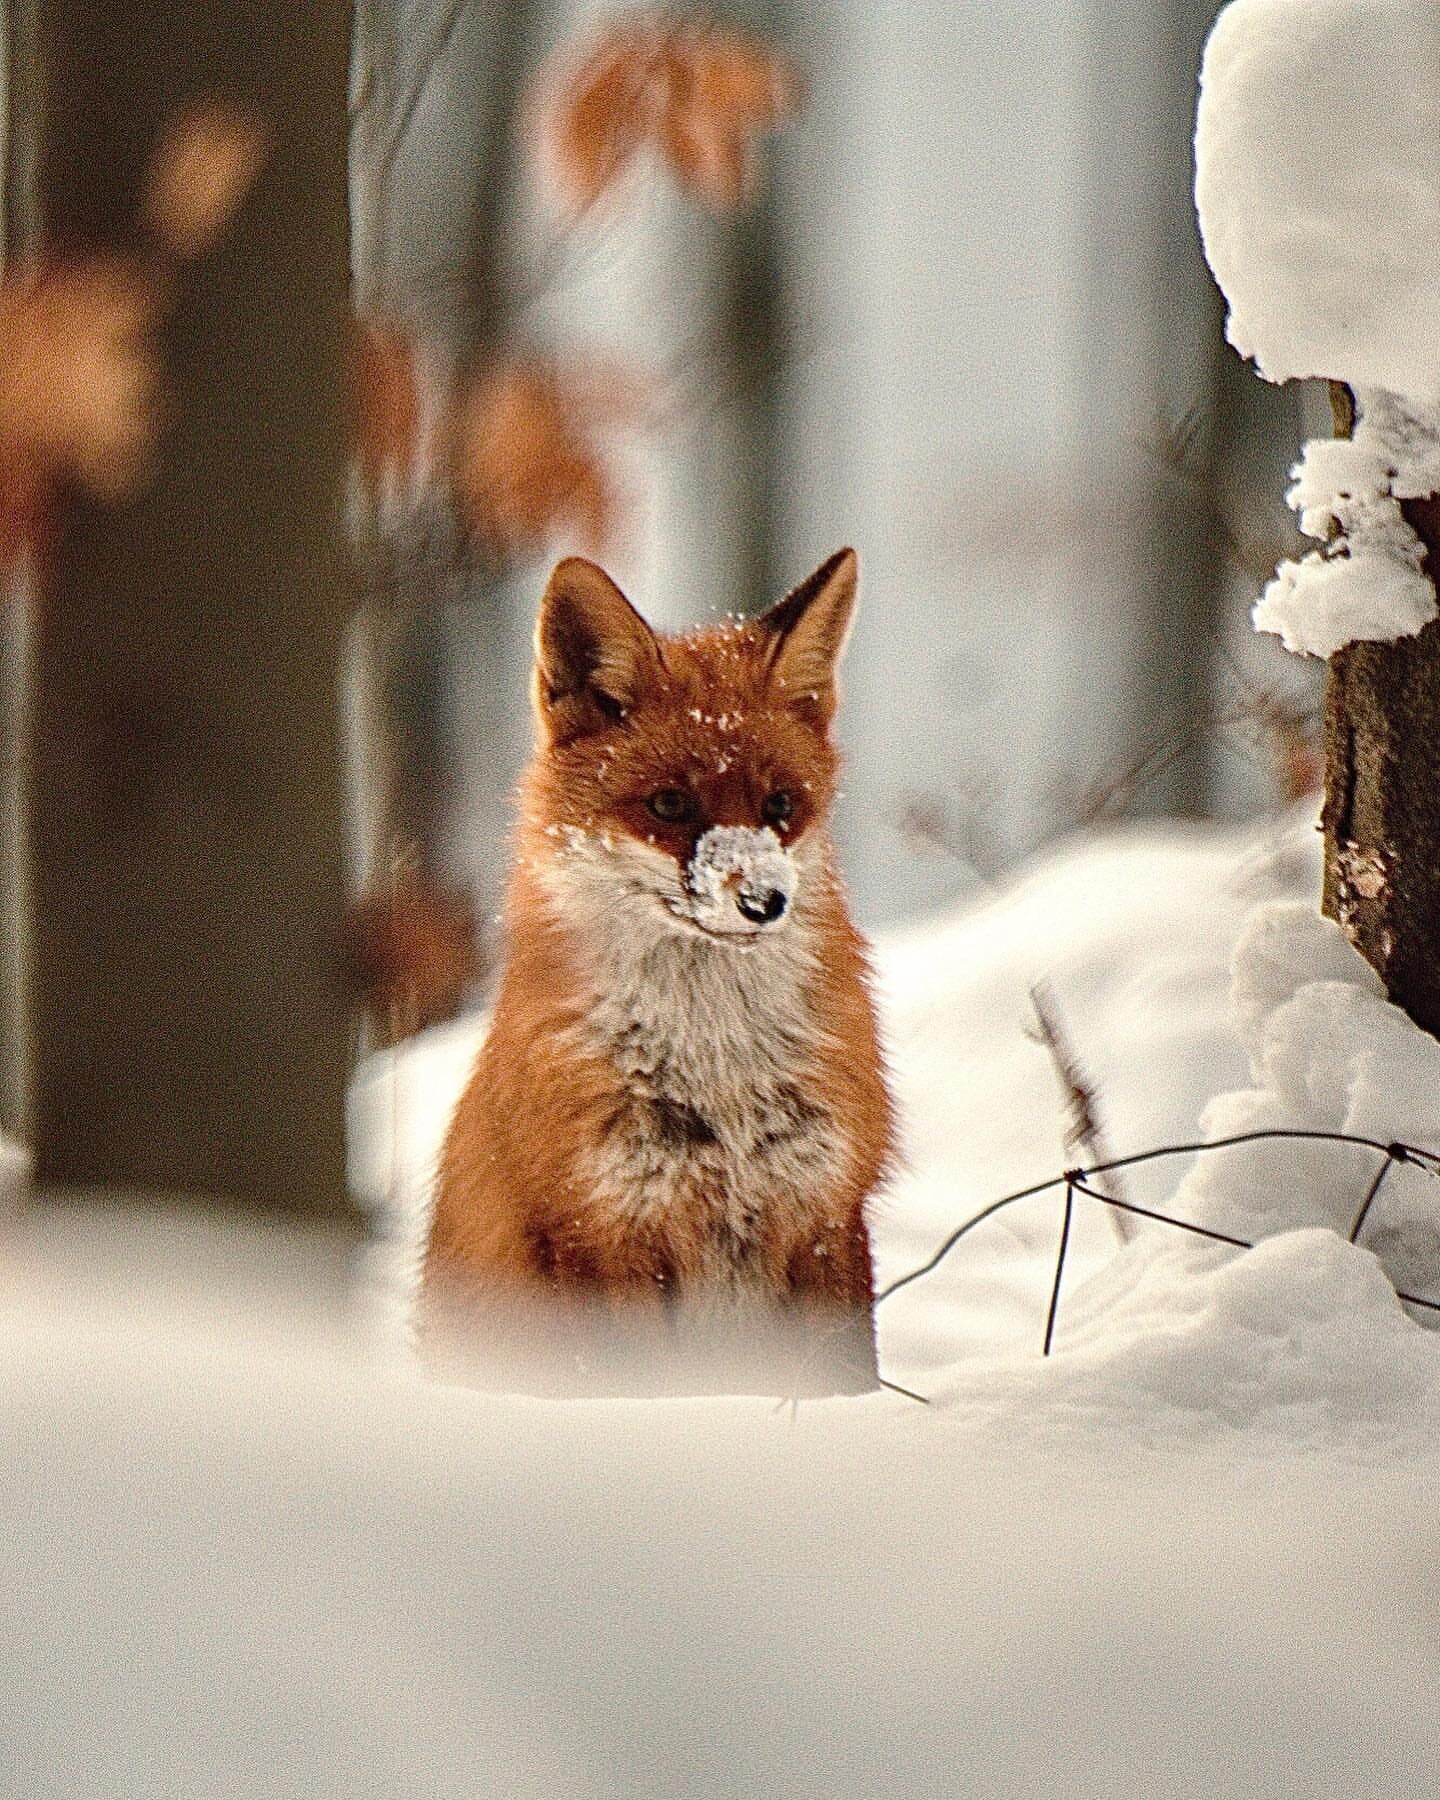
[1318, 188]
[189, 1025]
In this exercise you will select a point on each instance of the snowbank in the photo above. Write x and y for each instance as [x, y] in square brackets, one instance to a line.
[1318, 186]
[1185, 1554]
[259, 1576]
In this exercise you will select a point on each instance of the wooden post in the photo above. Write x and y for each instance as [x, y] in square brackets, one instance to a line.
[188, 1022]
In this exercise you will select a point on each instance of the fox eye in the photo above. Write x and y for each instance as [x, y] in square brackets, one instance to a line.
[673, 806]
[778, 809]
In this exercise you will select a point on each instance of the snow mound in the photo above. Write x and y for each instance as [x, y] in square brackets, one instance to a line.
[1321, 603]
[1318, 186]
[1295, 1345]
[1327, 1053]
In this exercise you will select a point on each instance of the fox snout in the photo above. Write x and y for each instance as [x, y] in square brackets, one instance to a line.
[739, 881]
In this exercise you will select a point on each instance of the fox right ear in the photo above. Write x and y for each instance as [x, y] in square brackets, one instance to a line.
[594, 654]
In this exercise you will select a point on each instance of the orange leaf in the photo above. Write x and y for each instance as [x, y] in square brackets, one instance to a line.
[721, 91]
[526, 458]
[207, 161]
[386, 392]
[412, 953]
[699, 94]
[79, 378]
[600, 113]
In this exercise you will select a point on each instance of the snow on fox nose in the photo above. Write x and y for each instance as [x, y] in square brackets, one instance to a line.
[739, 879]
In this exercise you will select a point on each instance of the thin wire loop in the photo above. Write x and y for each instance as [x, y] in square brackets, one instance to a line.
[1428, 1160]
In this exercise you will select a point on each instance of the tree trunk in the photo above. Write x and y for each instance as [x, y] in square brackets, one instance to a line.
[1382, 794]
[189, 1030]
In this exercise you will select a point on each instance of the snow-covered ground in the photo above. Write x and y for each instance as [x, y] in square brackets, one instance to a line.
[1190, 1553]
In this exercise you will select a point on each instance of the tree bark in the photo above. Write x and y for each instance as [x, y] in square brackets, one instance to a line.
[189, 1028]
[1381, 817]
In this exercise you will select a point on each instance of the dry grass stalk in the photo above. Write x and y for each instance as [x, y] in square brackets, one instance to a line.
[1083, 1139]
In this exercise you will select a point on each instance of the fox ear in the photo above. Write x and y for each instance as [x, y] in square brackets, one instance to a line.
[594, 654]
[809, 628]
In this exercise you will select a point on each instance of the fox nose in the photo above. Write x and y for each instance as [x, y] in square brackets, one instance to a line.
[762, 908]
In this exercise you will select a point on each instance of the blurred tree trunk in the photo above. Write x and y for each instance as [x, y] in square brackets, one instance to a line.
[753, 319]
[21, 64]
[477, 329]
[189, 1025]
[1382, 792]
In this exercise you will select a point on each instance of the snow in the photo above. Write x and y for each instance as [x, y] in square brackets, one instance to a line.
[1184, 1555]
[1369, 580]
[1405, 435]
[735, 862]
[1318, 186]
[1321, 603]
[1317, 156]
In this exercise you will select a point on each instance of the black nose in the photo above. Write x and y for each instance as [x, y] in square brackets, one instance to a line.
[763, 909]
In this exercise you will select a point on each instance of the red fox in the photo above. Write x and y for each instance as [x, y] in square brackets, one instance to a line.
[672, 1130]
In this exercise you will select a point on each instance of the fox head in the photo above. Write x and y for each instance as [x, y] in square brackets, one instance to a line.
[684, 784]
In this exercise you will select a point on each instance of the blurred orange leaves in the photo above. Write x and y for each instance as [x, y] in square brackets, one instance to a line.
[412, 953]
[526, 454]
[79, 387]
[205, 164]
[700, 94]
[80, 379]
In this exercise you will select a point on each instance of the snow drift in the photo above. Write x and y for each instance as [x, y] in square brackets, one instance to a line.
[1186, 1554]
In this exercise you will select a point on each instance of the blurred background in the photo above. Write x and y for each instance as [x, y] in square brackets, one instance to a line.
[962, 321]
[705, 296]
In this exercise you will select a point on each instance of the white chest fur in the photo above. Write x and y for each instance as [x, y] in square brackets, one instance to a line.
[714, 1049]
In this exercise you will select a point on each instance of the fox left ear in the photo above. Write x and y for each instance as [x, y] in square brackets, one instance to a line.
[594, 655]
[809, 628]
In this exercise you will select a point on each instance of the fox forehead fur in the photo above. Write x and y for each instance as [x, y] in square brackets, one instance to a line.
[673, 1103]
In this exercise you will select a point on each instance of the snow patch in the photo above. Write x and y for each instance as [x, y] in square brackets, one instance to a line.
[1318, 187]
[1405, 435]
[1328, 1053]
[1322, 603]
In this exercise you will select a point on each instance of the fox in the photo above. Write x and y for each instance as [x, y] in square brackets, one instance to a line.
[659, 1173]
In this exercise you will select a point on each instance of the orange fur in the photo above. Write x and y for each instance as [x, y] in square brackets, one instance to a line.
[524, 1225]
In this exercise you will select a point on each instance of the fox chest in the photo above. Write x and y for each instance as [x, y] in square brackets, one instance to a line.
[723, 1143]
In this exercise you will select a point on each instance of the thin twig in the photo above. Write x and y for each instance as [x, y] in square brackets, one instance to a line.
[894, 1387]
[1393, 1155]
